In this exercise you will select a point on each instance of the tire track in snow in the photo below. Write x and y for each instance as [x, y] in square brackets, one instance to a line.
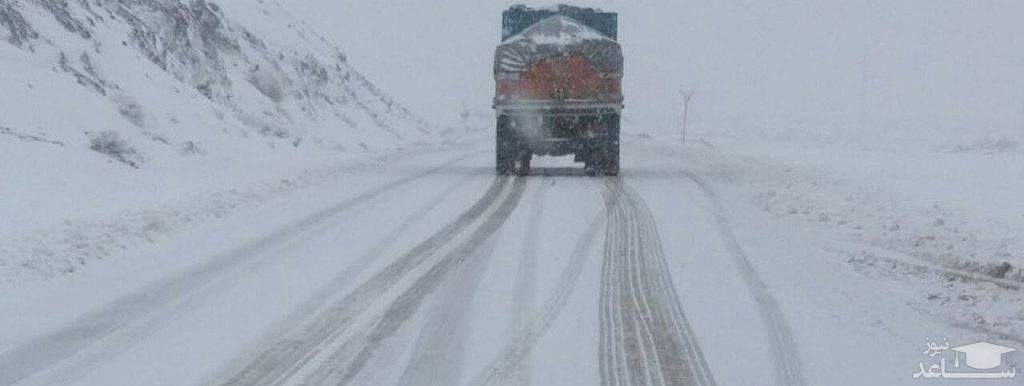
[645, 337]
[438, 354]
[311, 307]
[438, 350]
[786, 357]
[344, 365]
[290, 353]
[510, 358]
[526, 280]
[118, 316]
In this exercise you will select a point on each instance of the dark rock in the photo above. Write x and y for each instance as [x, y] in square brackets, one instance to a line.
[21, 32]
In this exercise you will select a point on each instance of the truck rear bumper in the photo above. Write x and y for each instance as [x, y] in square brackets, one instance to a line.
[563, 131]
[563, 108]
[564, 146]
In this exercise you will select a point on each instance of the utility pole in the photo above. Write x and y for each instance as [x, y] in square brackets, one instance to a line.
[687, 97]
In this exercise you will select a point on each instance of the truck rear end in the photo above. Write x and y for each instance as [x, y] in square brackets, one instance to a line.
[558, 75]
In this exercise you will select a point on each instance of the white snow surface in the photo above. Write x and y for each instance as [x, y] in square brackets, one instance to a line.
[124, 120]
[384, 274]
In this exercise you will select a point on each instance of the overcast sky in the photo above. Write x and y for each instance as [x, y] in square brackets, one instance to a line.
[901, 65]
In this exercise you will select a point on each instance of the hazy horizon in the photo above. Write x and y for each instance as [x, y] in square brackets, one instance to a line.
[874, 66]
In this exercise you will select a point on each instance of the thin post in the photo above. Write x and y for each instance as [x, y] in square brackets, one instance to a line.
[687, 97]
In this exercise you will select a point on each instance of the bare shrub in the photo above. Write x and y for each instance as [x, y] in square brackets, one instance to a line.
[110, 143]
[192, 148]
[130, 110]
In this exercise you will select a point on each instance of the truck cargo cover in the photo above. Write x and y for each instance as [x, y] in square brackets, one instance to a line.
[555, 36]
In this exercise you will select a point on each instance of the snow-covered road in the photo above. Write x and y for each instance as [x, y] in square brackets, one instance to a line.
[430, 270]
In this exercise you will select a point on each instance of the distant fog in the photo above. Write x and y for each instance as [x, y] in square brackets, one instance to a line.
[907, 68]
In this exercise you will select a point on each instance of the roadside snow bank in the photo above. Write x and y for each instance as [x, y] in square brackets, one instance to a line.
[938, 228]
[117, 230]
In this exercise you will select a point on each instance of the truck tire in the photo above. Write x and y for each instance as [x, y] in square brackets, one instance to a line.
[522, 164]
[610, 151]
[610, 158]
[591, 156]
[505, 147]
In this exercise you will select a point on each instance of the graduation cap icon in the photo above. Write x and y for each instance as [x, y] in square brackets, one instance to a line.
[983, 355]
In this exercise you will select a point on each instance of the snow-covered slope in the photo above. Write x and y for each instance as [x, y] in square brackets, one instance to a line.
[184, 71]
[114, 106]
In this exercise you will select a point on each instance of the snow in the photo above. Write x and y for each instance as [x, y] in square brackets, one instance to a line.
[534, 282]
[557, 30]
[555, 36]
[849, 189]
[937, 236]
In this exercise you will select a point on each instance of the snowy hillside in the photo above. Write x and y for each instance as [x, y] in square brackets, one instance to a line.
[170, 68]
[124, 105]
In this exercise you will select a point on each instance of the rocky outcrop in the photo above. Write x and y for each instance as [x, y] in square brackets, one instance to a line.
[18, 31]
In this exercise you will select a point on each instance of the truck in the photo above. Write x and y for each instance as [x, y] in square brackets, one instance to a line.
[558, 88]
